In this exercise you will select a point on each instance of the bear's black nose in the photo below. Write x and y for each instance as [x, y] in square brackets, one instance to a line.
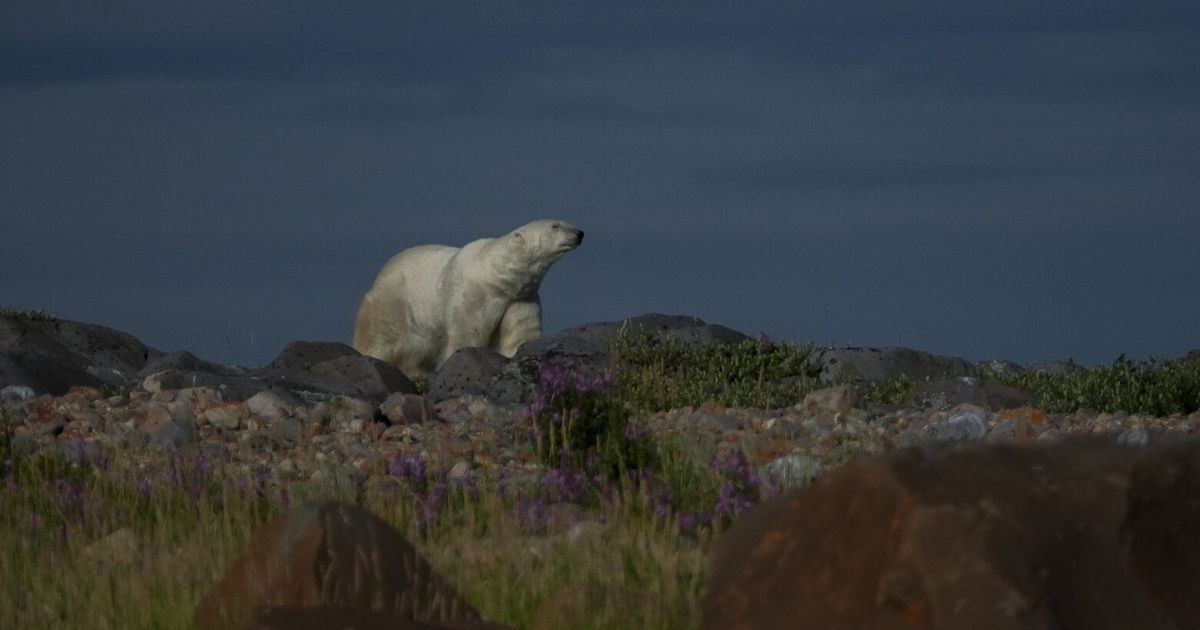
[578, 236]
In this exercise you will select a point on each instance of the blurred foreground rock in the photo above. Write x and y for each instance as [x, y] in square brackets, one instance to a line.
[1084, 534]
[340, 563]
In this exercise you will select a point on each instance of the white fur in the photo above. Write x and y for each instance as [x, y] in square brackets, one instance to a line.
[431, 300]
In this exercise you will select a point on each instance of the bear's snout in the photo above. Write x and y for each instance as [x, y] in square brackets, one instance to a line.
[578, 236]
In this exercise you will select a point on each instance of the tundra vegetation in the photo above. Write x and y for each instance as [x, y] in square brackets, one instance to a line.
[112, 543]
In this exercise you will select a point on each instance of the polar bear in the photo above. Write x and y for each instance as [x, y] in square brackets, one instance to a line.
[431, 300]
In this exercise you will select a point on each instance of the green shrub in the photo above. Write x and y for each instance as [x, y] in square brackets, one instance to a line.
[1155, 387]
[669, 374]
[32, 315]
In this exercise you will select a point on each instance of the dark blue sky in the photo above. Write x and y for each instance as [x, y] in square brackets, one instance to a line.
[1015, 180]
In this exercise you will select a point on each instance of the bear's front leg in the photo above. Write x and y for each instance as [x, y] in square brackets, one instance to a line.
[522, 322]
[471, 321]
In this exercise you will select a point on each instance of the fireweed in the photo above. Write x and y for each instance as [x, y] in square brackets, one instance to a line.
[574, 416]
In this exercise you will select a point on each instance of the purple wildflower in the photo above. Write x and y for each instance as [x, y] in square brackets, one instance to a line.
[563, 484]
[469, 484]
[411, 467]
[202, 466]
[502, 482]
[741, 488]
[432, 504]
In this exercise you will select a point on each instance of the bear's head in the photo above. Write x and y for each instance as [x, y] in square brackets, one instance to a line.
[545, 241]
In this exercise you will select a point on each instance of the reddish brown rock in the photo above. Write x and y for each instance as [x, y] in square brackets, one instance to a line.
[331, 555]
[1080, 535]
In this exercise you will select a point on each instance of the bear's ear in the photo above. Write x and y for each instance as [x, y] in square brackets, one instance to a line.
[520, 237]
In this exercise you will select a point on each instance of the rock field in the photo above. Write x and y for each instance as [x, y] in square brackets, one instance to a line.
[322, 412]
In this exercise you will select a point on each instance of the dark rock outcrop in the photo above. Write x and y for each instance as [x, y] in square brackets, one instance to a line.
[884, 364]
[1083, 534]
[470, 371]
[51, 355]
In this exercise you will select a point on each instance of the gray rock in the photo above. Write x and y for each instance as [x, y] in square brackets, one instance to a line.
[563, 351]
[16, 393]
[467, 371]
[303, 355]
[460, 471]
[1134, 437]
[76, 343]
[793, 471]
[947, 393]
[357, 375]
[269, 405]
[174, 434]
[184, 362]
[884, 364]
[1056, 368]
[232, 387]
[44, 374]
[967, 424]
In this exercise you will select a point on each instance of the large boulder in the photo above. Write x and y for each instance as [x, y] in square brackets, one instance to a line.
[93, 345]
[1083, 534]
[473, 371]
[50, 355]
[332, 556]
[303, 355]
[44, 374]
[884, 364]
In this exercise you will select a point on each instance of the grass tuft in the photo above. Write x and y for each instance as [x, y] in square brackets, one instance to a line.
[27, 314]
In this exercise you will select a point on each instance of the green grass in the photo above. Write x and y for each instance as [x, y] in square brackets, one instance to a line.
[673, 374]
[1155, 387]
[115, 546]
[32, 315]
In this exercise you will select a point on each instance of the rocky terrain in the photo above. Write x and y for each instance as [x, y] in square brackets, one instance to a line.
[320, 412]
[320, 408]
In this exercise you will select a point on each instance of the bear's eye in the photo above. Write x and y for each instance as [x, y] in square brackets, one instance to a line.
[554, 225]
